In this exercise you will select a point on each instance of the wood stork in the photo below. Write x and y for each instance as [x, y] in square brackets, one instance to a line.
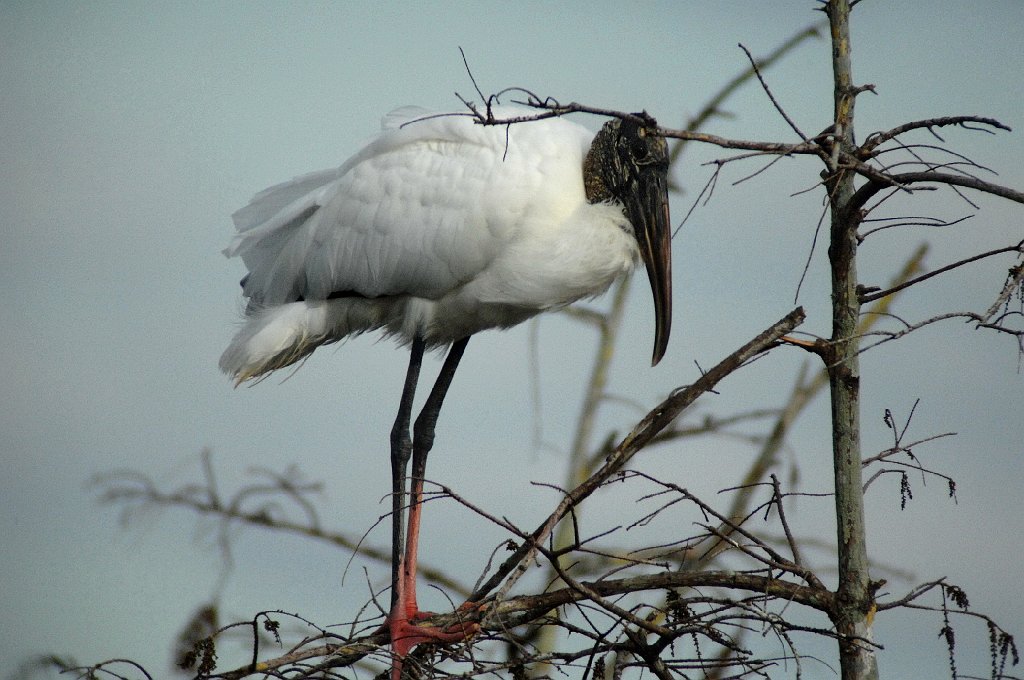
[435, 230]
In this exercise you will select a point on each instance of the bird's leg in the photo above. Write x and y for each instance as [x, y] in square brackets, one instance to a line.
[423, 441]
[405, 634]
[401, 450]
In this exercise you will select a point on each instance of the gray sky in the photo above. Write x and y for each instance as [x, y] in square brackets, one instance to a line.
[130, 132]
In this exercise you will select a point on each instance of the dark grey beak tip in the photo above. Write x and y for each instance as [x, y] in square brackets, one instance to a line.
[661, 340]
[657, 255]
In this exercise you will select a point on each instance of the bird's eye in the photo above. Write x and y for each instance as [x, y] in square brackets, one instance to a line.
[638, 148]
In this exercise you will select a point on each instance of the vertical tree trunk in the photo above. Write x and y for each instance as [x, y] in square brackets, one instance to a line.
[855, 606]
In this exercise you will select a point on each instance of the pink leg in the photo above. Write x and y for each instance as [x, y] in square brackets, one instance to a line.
[405, 613]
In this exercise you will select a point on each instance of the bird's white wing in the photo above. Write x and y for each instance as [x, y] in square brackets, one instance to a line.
[420, 210]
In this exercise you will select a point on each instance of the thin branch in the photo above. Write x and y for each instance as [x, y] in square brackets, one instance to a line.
[872, 296]
[117, 489]
[981, 321]
[892, 222]
[876, 138]
[650, 426]
[767, 91]
[713, 106]
[777, 497]
[904, 180]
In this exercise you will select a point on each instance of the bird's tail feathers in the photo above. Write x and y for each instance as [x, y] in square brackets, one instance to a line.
[281, 335]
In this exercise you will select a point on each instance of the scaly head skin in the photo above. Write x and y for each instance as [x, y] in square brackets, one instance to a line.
[628, 163]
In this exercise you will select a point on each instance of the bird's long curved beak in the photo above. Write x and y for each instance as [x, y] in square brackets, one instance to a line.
[647, 209]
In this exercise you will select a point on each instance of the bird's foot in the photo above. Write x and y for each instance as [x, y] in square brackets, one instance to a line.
[406, 631]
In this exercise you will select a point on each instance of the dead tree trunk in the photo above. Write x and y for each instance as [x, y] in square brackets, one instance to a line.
[855, 602]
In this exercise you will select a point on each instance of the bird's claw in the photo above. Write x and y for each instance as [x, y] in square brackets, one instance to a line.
[406, 631]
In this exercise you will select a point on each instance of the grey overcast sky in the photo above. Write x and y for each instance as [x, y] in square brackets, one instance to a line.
[131, 131]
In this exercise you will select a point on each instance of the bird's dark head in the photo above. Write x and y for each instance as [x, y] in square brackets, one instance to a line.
[628, 163]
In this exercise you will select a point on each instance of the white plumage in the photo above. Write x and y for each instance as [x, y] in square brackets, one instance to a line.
[439, 226]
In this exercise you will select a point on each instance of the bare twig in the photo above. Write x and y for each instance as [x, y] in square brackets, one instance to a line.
[875, 295]
[968, 122]
[767, 91]
[713, 106]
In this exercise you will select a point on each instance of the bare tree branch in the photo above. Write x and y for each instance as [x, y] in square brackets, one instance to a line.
[875, 139]
[875, 295]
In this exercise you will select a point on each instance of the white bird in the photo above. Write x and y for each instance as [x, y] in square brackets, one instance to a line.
[437, 229]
